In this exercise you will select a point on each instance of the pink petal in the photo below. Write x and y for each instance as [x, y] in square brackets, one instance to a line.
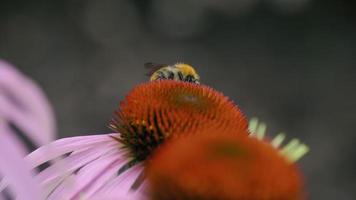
[121, 184]
[60, 191]
[142, 191]
[54, 183]
[15, 169]
[119, 188]
[21, 119]
[118, 197]
[71, 163]
[10, 135]
[66, 145]
[60, 147]
[12, 138]
[95, 173]
[37, 108]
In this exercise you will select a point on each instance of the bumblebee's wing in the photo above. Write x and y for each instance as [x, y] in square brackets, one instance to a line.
[153, 67]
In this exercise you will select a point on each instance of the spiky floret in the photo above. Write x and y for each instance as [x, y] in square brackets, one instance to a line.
[293, 150]
[155, 111]
[222, 166]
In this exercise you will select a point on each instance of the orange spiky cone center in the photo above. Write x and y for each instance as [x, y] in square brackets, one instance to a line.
[222, 166]
[156, 111]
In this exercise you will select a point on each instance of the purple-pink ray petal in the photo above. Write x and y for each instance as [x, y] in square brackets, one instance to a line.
[22, 120]
[66, 145]
[122, 184]
[13, 138]
[94, 173]
[51, 176]
[60, 191]
[15, 170]
[142, 190]
[60, 147]
[102, 173]
[127, 180]
[109, 173]
[53, 184]
[118, 197]
[34, 107]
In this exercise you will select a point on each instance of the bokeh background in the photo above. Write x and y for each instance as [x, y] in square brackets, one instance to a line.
[292, 63]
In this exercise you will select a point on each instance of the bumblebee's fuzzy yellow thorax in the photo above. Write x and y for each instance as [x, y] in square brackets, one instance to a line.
[187, 69]
[177, 72]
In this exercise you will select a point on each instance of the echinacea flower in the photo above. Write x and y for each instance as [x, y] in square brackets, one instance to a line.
[112, 164]
[23, 108]
[109, 166]
[163, 109]
[220, 165]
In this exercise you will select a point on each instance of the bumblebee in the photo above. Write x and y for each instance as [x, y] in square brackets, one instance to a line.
[178, 72]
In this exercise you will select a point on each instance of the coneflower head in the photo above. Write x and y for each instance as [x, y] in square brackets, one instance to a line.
[156, 111]
[222, 166]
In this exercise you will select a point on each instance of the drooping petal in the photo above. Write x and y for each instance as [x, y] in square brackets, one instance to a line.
[120, 197]
[77, 146]
[84, 165]
[66, 145]
[12, 166]
[22, 120]
[121, 185]
[52, 176]
[24, 104]
[128, 178]
[95, 173]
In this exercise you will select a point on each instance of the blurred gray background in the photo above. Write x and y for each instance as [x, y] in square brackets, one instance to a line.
[292, 63]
